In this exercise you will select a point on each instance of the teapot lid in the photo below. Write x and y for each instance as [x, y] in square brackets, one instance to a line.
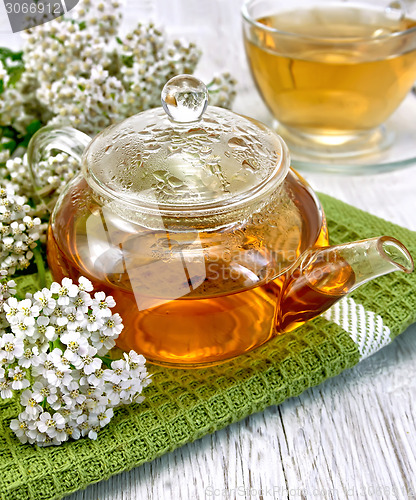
[186, 154]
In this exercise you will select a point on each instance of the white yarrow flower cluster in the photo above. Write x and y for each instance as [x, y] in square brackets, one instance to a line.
[19, 231]
[55, 356]
[52, 174]
[86, 76]
[81, 71]
[222, 90]
[4, 154]
[11, 99]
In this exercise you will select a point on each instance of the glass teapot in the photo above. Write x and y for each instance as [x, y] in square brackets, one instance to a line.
[190, 217]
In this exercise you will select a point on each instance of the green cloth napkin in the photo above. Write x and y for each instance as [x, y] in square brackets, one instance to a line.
[184, 405]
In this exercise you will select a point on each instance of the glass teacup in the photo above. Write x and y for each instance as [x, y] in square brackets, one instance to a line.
[331, 72]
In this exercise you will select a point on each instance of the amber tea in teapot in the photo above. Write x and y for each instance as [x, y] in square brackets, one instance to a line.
[191, 218]
[211, 322]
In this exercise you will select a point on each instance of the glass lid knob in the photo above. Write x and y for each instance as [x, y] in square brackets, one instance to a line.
[184, 99]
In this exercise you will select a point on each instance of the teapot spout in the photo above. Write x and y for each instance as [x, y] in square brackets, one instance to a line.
[324, 275]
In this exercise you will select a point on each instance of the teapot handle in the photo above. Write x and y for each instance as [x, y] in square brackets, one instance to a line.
[66, 139]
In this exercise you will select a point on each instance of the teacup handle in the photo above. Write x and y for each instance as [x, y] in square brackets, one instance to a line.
[66, 139]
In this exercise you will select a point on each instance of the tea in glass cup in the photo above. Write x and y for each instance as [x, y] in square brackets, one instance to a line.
[331, 72]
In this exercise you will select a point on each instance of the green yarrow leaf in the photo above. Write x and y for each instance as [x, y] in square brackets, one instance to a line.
[14, 70]
[29, 283]
[13, 139]
[16, 139]
[15, 73]
[31, 129]
[6, 53]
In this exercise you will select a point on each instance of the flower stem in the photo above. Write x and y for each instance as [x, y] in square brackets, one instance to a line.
[41, 267]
